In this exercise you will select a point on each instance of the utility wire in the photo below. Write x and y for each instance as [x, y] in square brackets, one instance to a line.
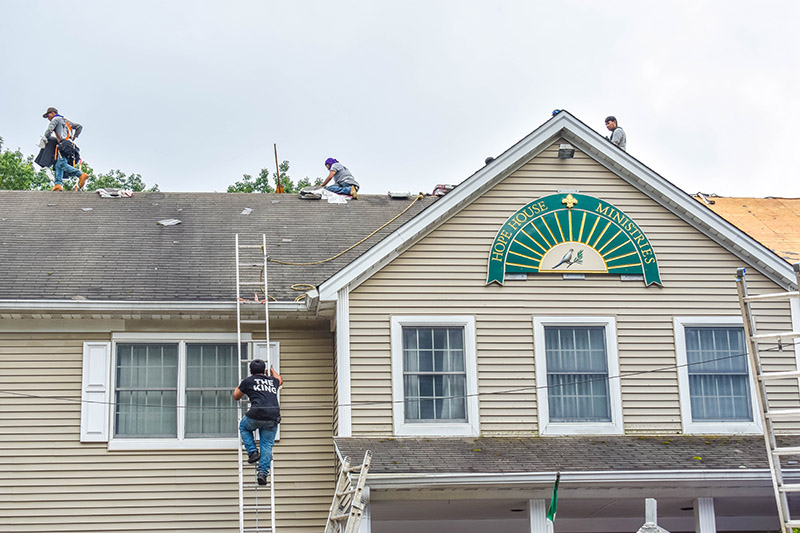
[391, 402]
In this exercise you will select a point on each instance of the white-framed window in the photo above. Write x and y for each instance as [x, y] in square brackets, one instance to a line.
[165, 390]
[577, 375]
[715, 385]
[434, 375]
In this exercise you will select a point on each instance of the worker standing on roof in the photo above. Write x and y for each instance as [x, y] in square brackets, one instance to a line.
[65, 132]
[344, 182]
[617, 134]
[264, 415]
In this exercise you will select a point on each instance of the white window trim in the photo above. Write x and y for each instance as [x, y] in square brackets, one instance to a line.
[116, 443]
[443, 428]
[615, 427]
[709, 428]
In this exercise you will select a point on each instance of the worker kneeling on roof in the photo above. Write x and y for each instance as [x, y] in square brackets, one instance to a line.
[264, 415]
[344, 182]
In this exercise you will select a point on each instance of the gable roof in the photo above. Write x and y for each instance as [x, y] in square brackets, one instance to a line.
[773, 222]
[566, 126]
[62, 246]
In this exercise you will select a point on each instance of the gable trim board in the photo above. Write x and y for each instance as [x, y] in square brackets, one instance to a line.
[562, 125]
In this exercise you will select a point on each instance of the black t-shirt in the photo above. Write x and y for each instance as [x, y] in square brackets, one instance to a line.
[263, 394]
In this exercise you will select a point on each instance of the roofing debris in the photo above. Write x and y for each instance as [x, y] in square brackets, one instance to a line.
[168, 222]
[115, 193]
[246, 211]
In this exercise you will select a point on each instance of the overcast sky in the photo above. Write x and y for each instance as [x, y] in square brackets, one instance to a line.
[191, 95]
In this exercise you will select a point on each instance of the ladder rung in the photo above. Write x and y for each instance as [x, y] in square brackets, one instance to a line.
[776, 336]
[772, 296]
[353, 468]
[265, 507]
[793, 487]
[251, 302]
[767, 376]
[787, 450]
[781, 413]
[346, 492]
[252, 283]
[265, 529]
[341, 517]
[793, 523]
[251, 264]
[245, 246]
[243, 321]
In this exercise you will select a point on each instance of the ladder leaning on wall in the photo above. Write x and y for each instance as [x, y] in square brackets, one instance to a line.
[348, 503]
[248, 282]
[761, 379]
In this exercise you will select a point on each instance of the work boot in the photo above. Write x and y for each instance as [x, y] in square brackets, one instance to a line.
[261, 477]
[82, 181]
[58, 187]
[354, 193]
[253, 457]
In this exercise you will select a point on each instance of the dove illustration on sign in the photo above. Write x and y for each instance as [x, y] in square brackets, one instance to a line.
[568, 260]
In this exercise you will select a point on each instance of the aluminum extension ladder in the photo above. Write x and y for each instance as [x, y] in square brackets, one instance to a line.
[348, 503]
[250, 508]
[768, 414]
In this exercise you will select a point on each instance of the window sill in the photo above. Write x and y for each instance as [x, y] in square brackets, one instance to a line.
[172, 444]
[587, 428]
[722, 428]
[440, 429]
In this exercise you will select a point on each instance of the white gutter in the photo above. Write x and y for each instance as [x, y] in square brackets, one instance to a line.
[408, 481]
[121, 305]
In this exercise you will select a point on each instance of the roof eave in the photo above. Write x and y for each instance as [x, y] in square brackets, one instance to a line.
[142, 306]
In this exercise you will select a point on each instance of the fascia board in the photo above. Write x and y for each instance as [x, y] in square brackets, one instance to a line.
[679, 202]
[404, 237]
[408, 481]
[111, 305]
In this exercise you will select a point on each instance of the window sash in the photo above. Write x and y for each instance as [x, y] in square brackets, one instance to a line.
[719, 383]
[154, 381]
[434, 374]
[577, 374]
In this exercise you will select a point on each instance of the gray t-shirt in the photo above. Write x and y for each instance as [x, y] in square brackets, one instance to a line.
[343, 176]
[618, 138]
[59, 126]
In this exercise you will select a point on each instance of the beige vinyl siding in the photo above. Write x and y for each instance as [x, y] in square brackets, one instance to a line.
[50, 482]
[445, 273]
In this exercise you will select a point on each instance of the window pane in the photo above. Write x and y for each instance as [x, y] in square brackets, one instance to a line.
[434, 374]
[146, 390]
[210, 380]
[718, 376]
[577, 374]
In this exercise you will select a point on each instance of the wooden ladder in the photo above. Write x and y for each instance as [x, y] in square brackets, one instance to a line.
[348, 505]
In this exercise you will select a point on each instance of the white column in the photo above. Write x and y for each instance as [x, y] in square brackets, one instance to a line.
[704, 519]
[537, 512]
[343, 362]
[366, 523]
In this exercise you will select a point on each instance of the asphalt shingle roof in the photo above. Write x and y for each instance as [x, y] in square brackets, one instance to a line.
[548, 454]
[66, 245]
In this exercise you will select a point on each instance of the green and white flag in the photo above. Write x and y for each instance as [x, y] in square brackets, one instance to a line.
[551, 512]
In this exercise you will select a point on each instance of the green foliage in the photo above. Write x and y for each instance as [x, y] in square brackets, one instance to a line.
[263, 182]
[18, 173]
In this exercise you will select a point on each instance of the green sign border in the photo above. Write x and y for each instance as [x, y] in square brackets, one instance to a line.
[555, 205]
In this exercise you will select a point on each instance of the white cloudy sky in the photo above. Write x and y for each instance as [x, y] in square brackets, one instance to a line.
[406, 94]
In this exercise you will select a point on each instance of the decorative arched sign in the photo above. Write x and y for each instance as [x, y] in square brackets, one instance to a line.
[571, 233]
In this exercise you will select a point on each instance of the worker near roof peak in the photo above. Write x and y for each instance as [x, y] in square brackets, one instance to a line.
[344, 182]
[617, 134]
[65, 132]
[264, 415]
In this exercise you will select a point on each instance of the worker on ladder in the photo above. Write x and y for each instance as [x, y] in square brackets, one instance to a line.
[264, 415]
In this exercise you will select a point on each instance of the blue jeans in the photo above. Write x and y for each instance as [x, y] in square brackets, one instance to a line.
[62, 167]
[339, 189]
[266, 434]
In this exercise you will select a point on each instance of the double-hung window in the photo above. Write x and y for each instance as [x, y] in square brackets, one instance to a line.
[576, 375]
[434, 376]
[714, 378]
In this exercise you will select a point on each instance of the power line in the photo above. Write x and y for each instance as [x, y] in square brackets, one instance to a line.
[326, 405]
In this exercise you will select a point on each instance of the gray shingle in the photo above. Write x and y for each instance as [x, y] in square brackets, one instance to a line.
[50, 248]
[548, 454]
